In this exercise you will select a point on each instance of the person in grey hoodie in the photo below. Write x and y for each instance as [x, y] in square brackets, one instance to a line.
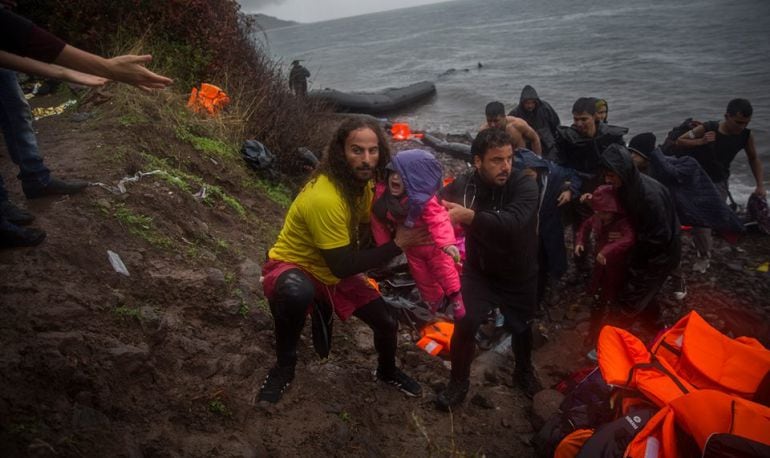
[540, 116]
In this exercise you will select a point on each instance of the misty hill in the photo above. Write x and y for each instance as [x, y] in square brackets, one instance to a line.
[266, 22]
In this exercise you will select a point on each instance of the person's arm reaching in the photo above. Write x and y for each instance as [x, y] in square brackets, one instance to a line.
[129, 69]
[35, 67]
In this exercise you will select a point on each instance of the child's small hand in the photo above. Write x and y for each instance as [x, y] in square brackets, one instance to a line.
[601, 259]
[454, 252]
[579, 250]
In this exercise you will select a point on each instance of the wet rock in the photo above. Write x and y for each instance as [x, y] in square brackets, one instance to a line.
[215, 278]
[482, 401]
[88, 418]
[487, 365]
[149, 319]
[736, 266]
[249, 272]
[544, 404]
[363, 339]
[129, 358]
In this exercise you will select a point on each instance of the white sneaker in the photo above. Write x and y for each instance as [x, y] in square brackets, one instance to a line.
[681, 289]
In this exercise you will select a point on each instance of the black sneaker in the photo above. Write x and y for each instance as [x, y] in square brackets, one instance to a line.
[14, 214]
[400, 380]
[453, 395]
[276, 382]
[12, 236]
[527, 381]
[55, 187]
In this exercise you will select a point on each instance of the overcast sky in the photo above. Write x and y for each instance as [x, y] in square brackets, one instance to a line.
[321, 10]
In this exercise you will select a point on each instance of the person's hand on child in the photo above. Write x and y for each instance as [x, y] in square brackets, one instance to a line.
[454, 252]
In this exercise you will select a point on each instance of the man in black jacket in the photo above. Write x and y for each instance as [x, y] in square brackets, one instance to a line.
[579, 148]
[497, 207]
[540, 116]
[658, 247]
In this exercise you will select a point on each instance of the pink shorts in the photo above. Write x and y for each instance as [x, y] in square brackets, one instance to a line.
[350, 294]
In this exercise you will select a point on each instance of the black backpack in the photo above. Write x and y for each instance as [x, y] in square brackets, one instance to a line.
[669, 147]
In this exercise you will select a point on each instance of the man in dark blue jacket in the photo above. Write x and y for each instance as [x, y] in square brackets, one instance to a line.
[497, 207]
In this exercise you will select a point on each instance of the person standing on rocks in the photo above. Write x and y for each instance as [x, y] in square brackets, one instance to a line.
[298, 76]
[316, 266]
[520, 132]
[722, 140]
[497, 207]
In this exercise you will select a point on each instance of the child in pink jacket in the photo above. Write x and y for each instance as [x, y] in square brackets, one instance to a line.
[409, 197]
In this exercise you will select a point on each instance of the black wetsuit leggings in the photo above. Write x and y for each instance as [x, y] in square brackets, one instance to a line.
[294, 292]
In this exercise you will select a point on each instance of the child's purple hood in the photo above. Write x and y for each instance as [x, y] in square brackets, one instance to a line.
[421, 174]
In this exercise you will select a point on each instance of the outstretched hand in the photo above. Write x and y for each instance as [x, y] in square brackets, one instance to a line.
[130, 69]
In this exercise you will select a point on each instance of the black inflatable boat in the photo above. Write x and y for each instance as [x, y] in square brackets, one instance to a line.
[384, 101]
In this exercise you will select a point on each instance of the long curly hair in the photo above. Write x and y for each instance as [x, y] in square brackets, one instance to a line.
[335, 166]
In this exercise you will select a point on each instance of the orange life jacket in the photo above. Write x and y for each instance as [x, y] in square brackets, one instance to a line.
[570, 446]
[436, 337]
[700, 414]
[209, 98]
[625, 362]
[707, 358]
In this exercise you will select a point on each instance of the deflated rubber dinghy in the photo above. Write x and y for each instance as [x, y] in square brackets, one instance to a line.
[384, 101]
[457, 150]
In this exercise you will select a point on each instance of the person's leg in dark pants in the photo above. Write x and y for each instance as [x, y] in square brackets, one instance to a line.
[463, 344]
[378, 315]
[292, 295]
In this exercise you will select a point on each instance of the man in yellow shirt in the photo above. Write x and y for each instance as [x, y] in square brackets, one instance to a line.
[315, 265]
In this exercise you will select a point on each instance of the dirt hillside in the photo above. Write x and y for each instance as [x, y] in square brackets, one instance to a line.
[168, 361]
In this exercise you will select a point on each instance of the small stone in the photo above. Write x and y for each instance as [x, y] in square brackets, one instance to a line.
[482, 401]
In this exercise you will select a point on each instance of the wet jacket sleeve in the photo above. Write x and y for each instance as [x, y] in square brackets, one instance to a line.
[344, 261]
[21, 37]
[616, 250]
[514, 216]
[436, 218]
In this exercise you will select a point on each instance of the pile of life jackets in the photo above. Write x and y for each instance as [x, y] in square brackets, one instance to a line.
[696, 392]
[208, 98]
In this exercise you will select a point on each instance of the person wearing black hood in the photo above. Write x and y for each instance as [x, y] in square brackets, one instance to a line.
[497, 207]
[658, 247]
[540, 116]
[579, 148]
[298, 78]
